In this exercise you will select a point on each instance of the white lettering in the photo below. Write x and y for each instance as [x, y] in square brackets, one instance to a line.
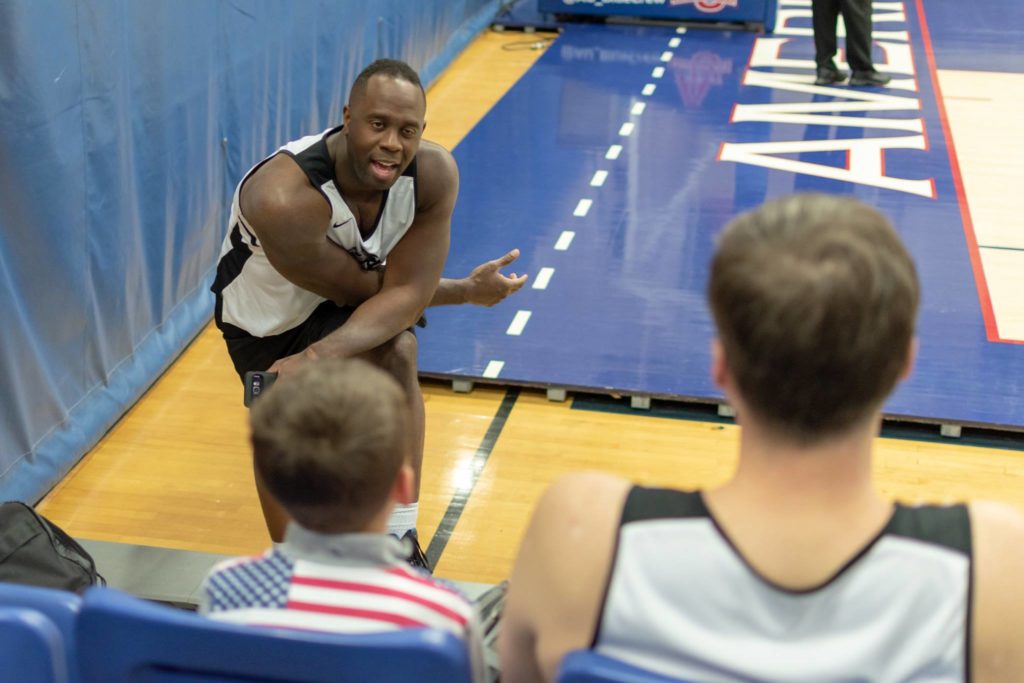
[800, 83]
[832, 105]
[865, 160]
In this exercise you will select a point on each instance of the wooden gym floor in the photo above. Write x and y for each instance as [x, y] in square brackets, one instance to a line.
[175, 471]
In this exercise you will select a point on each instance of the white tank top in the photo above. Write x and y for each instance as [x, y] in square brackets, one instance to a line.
[256, 299]
[683, 602]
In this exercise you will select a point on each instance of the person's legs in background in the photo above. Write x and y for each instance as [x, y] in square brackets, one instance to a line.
[824, 15]
[857, 17]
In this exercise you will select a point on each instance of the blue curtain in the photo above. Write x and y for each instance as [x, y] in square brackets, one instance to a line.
[124, 126]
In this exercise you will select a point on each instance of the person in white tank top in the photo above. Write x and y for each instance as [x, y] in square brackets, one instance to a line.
[797, 569]
[337, 246]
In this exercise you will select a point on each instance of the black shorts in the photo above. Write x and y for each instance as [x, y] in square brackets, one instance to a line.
[259, 353]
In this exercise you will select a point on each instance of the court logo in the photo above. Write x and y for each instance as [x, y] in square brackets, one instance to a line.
[709, 6]
[697, 74]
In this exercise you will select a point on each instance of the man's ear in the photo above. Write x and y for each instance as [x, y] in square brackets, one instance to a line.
[404, 490]
[912, 348]
[723, 379]
[719, 372]
[346, 114]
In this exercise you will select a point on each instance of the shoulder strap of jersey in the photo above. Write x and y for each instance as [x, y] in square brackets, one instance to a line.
[948, 526]
[653, 503]
[315, 162]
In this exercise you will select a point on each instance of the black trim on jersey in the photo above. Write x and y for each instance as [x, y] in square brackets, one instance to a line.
[253, 240]
[611, 573]
[968, 640]
[411, 172]
[948, 526]
[644, 504]
[315, 161]
[229, 267]
[380, 214]
[228, 330]
[811, 589]
[648, 503]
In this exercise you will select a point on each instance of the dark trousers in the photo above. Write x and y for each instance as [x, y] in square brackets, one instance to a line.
[857, 17]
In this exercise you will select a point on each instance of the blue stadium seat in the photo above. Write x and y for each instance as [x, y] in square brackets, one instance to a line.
[60, 607]
[31, 648]
[587, 666]
[125, 639]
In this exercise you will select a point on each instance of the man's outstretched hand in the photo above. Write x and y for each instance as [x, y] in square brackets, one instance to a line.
[486, 285]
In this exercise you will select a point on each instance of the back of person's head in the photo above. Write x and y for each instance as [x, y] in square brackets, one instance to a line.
[328, 442]
[814, 298]
[390, 68]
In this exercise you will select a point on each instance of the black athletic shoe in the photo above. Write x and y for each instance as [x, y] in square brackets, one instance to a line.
[417, 558]
[828, 76]
[867, 78]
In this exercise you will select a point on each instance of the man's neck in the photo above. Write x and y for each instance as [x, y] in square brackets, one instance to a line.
[798, 513]
[836, 471]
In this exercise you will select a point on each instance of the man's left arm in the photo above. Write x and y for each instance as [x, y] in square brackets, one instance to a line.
[486, 285]
[553, 606]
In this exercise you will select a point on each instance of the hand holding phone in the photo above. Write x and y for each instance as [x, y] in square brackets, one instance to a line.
[256, 382]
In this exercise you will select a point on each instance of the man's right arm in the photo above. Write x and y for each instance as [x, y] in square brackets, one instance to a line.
[290, 219]
[998, 615]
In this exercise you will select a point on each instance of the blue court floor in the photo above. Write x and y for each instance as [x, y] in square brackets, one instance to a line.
[616, 159]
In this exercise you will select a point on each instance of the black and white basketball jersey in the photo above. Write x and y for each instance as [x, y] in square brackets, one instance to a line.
[251, 295]
[682, 601]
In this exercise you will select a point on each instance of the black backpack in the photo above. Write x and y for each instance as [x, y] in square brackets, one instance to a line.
[37, 552]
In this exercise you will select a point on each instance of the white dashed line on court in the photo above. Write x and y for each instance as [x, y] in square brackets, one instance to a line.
[638, 108]
[564, 240]
[518, 323]
[666, 56]
[613, 152]
[599, 178]
[657, 72]
[674, 42]
[649, 89]
[543, 278]
[681, 29]
[493, 369]
[626, 130]
[583, 207]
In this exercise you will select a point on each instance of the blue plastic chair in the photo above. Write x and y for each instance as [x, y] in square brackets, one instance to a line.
[31, 648]
[60, 607]
[587, 666]
[125, 639]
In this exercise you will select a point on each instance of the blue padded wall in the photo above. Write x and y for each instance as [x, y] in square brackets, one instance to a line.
[124, 125]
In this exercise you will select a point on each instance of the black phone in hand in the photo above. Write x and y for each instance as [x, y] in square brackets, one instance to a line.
[256, 382]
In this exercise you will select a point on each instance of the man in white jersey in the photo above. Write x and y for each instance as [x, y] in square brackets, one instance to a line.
[336, 245]
[797, 569]
[332, 445]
